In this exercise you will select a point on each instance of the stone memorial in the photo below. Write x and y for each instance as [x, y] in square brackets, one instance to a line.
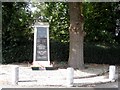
[41, 44]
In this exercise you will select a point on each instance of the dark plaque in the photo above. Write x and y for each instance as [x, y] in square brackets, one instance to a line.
[41, 44]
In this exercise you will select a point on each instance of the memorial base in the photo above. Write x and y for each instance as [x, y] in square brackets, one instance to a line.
[37, 68]
[41, 64]
[46, 68]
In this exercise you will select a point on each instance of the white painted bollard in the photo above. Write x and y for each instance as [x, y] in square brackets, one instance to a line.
[112, 69]
[69, 77]
[15, 75]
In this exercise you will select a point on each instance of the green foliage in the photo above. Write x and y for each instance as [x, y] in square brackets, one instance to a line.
[93, 53]
[16, 22]
[20, 53]
[16, 27]
[100, 22]
[56, 13]
[101, 54]
[99, 19]
[59, 51]
[17, 39]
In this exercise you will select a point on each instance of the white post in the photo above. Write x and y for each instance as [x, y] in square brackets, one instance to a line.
[112, 72]
[69, 77]
[15, 75]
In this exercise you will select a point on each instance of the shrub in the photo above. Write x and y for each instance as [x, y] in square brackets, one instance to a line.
[59, 51]
[101, 54]
[20, 53]
[93, 53]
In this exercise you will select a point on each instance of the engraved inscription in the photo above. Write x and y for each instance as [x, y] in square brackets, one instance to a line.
[41, 44]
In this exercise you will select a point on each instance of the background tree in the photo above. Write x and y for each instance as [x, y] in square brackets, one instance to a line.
[76, 35]
[99, 27]
[16, 29]
[100, 22]
[56, 14]
[98, 33]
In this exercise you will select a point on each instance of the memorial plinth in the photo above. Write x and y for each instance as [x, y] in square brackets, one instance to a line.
[41, 45]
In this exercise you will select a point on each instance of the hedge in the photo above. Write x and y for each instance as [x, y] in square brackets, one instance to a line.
[60, 52]
[20, 53]
[101, 54]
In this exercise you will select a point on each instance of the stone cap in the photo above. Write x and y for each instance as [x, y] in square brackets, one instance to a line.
[41, 24]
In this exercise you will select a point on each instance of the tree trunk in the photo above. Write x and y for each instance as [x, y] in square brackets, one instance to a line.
[76, 35]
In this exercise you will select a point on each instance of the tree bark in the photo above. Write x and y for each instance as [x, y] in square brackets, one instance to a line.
[76, 35]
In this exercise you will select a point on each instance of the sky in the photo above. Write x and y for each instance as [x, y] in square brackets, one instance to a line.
[32, 8]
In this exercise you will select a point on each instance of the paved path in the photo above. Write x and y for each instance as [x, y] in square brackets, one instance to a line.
[53, 78]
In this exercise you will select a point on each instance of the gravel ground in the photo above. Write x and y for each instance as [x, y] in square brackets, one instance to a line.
[49, 78]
